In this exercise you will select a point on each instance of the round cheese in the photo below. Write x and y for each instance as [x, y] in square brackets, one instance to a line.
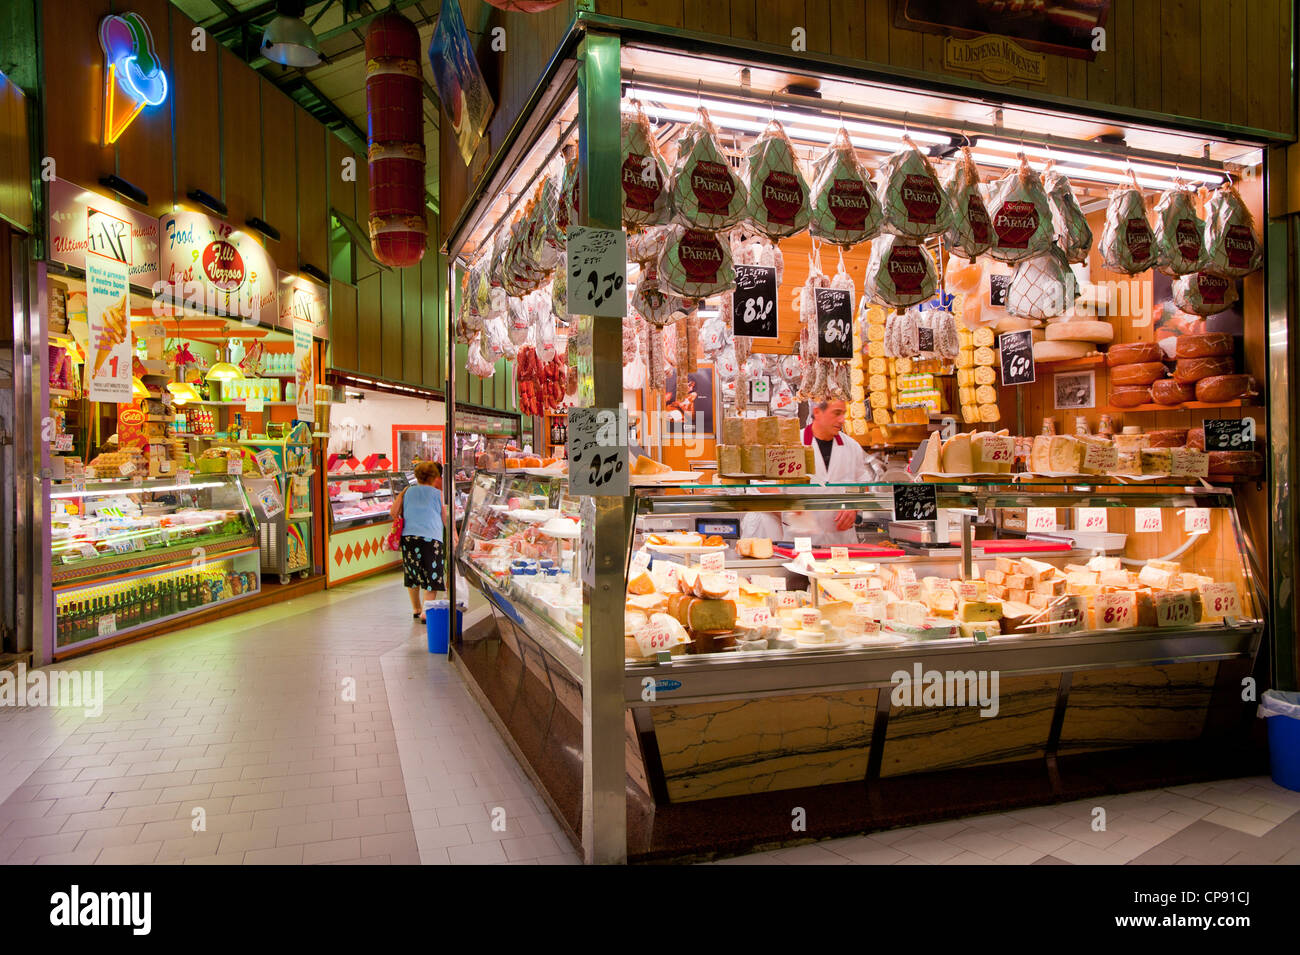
[1142, 373]
[1099, 333]
[1013, 324]
[1061, 350]
[1133, 353]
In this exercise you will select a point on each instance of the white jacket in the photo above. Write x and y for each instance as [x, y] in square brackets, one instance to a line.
[848, 466]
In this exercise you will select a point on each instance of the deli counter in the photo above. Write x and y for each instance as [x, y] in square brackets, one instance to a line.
[360, 506]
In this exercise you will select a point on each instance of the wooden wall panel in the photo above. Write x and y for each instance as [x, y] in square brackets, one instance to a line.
[412, 322]
[313, 221]
[342, 192]
[144, 156]
[1216, 67]
[280, 174]
[343, 327]
[241, 138]
[74, 130]
[196, 102]
[369, 325]
[390, 333]
[431, 370]
[15, 159]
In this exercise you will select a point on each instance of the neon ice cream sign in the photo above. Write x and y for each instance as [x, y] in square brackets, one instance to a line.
[133, 75]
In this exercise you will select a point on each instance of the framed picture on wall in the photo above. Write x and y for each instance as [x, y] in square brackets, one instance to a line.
[690, 411]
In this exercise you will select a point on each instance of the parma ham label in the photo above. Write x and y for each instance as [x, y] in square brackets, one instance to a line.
[782, 197]
[849, 204]
[1188, 238]
[1239, 244]
[641, 182]
[1137, 233]
[700, 255]
[906, 268]
[1213, 289]
[979, 219]
[920, 198]
[713, 188]
[1015, 224]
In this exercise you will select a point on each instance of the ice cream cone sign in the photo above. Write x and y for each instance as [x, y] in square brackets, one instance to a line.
[112, 333]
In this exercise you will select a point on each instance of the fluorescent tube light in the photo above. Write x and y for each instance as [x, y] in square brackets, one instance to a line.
[1195, 175]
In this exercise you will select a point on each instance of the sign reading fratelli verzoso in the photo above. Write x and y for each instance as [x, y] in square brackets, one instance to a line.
[210, 266]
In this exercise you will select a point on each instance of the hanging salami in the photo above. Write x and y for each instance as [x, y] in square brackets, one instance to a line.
[1204, 293]
[566, 208]
[644, 174]
[910, 194]
[1180, 233]
[1022, 219]
[395, 140]
[970, 233]
[845, 209]
[1069, 224]
[899, 273]
[778, 193]
[1127, 242]
[696, 264]
[1231, 249]
[706, 193]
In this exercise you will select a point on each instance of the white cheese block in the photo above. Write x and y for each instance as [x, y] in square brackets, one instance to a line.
[1004, 565]
[967, 628]
[1120, 579]
[1040, 453]
[1171, 565]
[1103, 563]
[1036, 569]
[1065, 454]
[1078, 582]
[956, 455]
[1099, 333]
[909, 612]
[1157, 578]
[1062, 350]
[979, 610]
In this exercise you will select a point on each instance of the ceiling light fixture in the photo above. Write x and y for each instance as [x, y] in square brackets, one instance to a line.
[288, 40]
[208, 201]
[1071, 172]
[1043, 152]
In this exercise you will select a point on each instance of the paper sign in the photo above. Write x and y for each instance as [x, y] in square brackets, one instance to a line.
[182, 478]
[783, 461]
[803, 545]
[63, 442]
[654, 637]
[1173, 609]
[107, 624]
[1146, 520]
[640, 561]
[90, 474]
[787, 598]
[1114, 611]
[910, 591]
[998, 449]
[915, 502]
[755, 617]
[753, 303]
[137, 480]
[266, 463]
[597, 267]
[834, 322]
[905, 575]
[870, 628]
[1189, 462]
[760, 390]
[597, 452]
[1068, 615]
[839, 555]
[304, 368]
[1197, 520]
[108, 317]
[1040, 519]
[1090, 519]
[859, 585]
[1220, 600]
[127, 468]
[712, 562]
[235, 465]
[664, 573]
[1100, 458]
[776, 584]
[254, 405]
[269, 498]
[968, 590]
[88, 550]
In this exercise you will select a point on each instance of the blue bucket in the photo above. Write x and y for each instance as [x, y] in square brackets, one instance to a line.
[437, 622]
[1283, 709]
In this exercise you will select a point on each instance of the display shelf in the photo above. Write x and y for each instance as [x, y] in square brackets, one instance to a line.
[1067, 363]
[62, 393]
[243, 401]
[158, 558]
[1183, 406]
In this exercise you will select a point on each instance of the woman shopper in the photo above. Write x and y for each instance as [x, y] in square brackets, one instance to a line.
[420, 508]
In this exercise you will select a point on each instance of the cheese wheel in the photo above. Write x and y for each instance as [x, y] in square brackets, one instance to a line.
[1203, 346]
[1061, 350]
[1224, 387]
[1167, 391]
[1142, 373]
[1166, 438]
[1100, 333]
[1133, 353]
[1013, 323]
[1130, 396]
[1247, 463]
[1196, 438]
[1191, 370]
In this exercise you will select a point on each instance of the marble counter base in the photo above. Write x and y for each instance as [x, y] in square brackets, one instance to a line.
[1109, 709]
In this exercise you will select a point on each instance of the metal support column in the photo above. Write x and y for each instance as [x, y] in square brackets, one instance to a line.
[1283, 244]
[604, 772]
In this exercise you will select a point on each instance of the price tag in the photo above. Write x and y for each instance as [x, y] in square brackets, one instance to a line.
[88, 550]
[755, 617]
[1173, 609]
[803, 545]
[1040, 519]
[597, 452]
[1100, 458]
[784, 461]
[127, 468]
[839, 555]
[1189, 462]
[654, 637]
[1147, 520]
[640, 561]
[597, 264]
[182, 478]
[712, 562]
[787, 598]
[79, 486]
[107, 624]
[168, 399]
[776, 584]
[664, 573]
[905, 575]
[732, 578]
[968, 590]
[1090, 518]
[1220, 600]
[266, 463]
[63, 442]
[1196, 520]
[925, 339]
[871, 628]
[1070, 614]
[834, 322]
[255, 405]
[859, 585]
[915, 502]
[999, 449]
[1016, 350]
[137, 480]
[1115, 611]
[1229, 434]
[910, 591]
[235, 465]
[753, 303]
[90, 474]
[999, 285]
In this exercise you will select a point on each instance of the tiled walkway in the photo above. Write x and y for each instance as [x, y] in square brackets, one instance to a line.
[321, 730]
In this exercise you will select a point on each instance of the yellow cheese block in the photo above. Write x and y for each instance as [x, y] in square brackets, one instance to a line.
[966, 396]
[877, 366]
[878, 383]
[965, 358]
[983, 337]
[968, 629]
[902, 365]
[970, 413]
[876, 349]
[855, 376]
[985, 356]
[982, 611]
[985, 375]
[881, 416]
[879, 399]
[986, 395]
[990, 413]
[876, 333]
[966, 377]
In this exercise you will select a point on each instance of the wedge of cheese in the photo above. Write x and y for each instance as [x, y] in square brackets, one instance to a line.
[956, 455]
[1065, 454]
[1158, 578]
[909, 612]
[1040, 459]
[979, 610]
[1103, 563]
[1036, 569]
[968, 628]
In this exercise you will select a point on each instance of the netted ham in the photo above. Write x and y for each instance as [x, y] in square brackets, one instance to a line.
[706, 193]
[644, 174]
[899, 273]
[970, 233]
[1069, 224]
[696, 263]
[1180, 233]
[1042, 287]
[1231, 249]
[646, 246]
[1204, 293]
[1127, 243]
[778, 193]
[845, 209]
[1021, 216]
[566, 210]
[652, 300]
[910, 195]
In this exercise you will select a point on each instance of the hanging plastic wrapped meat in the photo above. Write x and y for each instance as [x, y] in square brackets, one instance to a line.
[652, 300]
[778, 193]
[1042, 287]
[706, 193]
[1231, 249]
[902, 334]
[845, 209]
[475, 363]
[696, 264]
[644, 173]
[910, 195]
[1069, 224]
[1180, 233]
[566, 210]
[1021, 217]
[1127, 243]
[970, 233]
[943, 328]
[899, 273]
[1204, 293]
[560, 292]
[812, 383]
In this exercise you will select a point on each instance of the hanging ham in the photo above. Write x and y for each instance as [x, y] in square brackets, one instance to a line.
[1180, 233]
[1231, 249]
[644, 174]
[778, 192]
[845, 209]
[1042, 287]
[1203, 293]
[1127, 243]
[1022, 219]
[1069, 224]
[899, 273]
[696, 264]
[970, 233]
[706, 193]
[913, 200]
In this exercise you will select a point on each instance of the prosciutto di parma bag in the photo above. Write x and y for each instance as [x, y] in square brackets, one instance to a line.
[778, 192]
[696, 264]
[1231, 249]
[1180, 233]
[1042, 287]
[1204, 293]
[1022, 219]
[644, 174]
[1069, 224]
[1127, 243]
[845, 210]
[910, 194]
[970, 233]
[706, 193]
[900, 273]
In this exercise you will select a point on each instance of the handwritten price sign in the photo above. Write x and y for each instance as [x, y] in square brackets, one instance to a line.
[998, 449]
[1189, 462]
[787, 598]
[1017, 357]
[597, 452]
[968, 590]
[784, 462]
[1100, 458]
[1174, 610]
[712, 563]
[654, 637]
[1115, 611]
[1147, 520]
[597, 272]
[1040, 519]
[755, 617]
[1197, 520]
[1090, 518]
[753, 303]
[834, 323]
[1221, 600]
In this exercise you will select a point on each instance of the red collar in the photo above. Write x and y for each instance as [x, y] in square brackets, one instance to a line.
[808, 437]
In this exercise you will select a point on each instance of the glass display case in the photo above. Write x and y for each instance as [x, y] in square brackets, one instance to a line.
[360, 499]
[127, 553]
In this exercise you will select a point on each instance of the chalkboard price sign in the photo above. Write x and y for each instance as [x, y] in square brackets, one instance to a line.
[753, 304]
[1229, 434]
[915, 502]
[1017, 353]
[998, 287]
[834, 323]
[926, 337]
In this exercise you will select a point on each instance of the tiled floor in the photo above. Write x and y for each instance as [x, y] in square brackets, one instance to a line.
[321, 730]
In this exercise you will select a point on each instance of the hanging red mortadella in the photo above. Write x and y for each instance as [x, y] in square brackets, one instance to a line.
[395, 141]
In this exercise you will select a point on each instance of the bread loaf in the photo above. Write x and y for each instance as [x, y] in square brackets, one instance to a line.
[1191, 370]
[1140, 373]
[1133, 353]
[1130, 396]
[1203, 346]
[1167, 391]
[1247, 463]
[1224, 387]
[1167, 438]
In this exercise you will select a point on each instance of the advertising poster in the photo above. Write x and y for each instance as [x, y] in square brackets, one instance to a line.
[460, 83]
[305, 375]
[108, 318]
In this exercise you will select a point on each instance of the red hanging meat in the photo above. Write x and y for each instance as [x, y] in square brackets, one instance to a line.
[395, 140]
